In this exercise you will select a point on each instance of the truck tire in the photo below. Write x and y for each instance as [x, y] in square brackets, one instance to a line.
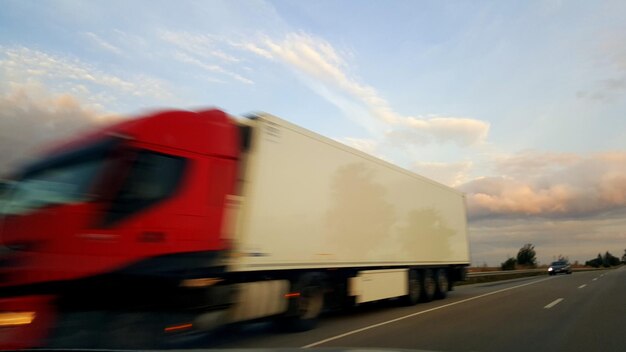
[442, 283]
[429, 285]
[414, 288]
[305, 309]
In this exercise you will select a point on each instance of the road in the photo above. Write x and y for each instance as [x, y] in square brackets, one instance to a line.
[585, 311]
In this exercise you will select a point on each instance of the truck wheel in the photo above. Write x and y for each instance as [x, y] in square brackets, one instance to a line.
[429, 285]
[414, 288]
[442, 284]
[305, 309]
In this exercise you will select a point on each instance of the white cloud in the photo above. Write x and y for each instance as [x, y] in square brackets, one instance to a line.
[103, 44]
[131, 42]
[202, 50]
[21, 65]
[251, 47]
[182, 57]
[319, 61]
[204, 45]
[325, 70]
[419, 131]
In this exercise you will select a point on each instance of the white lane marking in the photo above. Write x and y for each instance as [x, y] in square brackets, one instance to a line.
[417, 313]
[554, 303]
[594, 279]
[582, 286]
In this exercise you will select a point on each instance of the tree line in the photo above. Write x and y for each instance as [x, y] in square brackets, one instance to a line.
[527, 258]
[606, 260]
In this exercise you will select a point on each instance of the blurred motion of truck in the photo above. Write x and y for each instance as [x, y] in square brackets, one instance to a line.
[163, 227]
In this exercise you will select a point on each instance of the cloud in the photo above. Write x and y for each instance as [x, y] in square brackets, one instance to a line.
[251, 47]
[450, 174]
[204, 45]
[533, 163]
[498, 195]
[420, 131]
[202, 50]
[610, 54]
[550, 185]
[21, 65]
[320, 62]
[182, 57]
[606, 91]
[325, 70]
[564, 203]
[32, 117]
[365, 145]
[101, 43]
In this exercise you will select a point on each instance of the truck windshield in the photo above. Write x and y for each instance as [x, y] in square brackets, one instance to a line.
[60, 179]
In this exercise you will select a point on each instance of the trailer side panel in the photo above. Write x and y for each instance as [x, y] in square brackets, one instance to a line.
[311, 202]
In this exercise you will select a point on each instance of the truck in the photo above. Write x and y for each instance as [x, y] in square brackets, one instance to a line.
[160, 228]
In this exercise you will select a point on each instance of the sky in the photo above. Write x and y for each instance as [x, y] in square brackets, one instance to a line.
[519, 104]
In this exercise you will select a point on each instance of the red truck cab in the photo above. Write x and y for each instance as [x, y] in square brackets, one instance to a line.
[112, 219]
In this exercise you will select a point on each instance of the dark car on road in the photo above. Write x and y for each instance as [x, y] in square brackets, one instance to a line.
[559, 267]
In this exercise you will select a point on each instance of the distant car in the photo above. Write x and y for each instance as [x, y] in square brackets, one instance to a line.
[559, 267]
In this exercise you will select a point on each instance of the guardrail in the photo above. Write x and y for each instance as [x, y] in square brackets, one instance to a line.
[525, 271]
[489, 276]
[505, 272]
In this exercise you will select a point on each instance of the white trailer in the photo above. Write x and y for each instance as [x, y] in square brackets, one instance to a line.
[332, 223]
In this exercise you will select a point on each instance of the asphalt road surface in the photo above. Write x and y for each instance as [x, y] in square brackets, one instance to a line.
[585, 311]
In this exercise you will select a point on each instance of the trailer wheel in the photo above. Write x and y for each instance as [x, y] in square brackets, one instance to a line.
[443, 284]
[429, 285]
[305, 309]
[414, 288]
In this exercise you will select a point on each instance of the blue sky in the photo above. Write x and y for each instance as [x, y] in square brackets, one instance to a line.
[519, 104]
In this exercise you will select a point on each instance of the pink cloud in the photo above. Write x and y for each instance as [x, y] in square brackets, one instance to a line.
[548, 184]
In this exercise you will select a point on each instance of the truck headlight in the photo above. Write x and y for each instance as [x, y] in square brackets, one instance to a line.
[550, 269]
[16, 318]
